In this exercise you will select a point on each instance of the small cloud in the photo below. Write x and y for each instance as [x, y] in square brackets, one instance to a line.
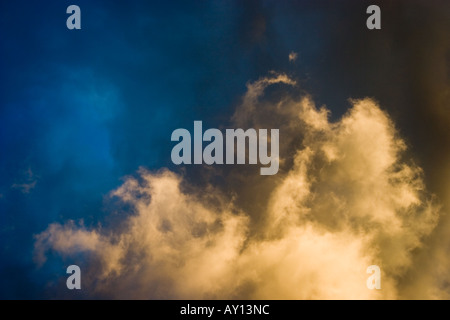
[293, 56]
[27, 183]
[24, 187]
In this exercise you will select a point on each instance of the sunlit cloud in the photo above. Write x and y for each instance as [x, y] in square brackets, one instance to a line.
[293, 56]
[27, 182]
[348, 197]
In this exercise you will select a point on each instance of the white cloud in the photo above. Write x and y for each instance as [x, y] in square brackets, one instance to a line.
[27, 182]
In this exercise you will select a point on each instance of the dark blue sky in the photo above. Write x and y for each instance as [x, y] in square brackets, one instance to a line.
[80, 109]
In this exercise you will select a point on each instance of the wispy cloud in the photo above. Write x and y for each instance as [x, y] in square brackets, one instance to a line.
[27, 182]
[293, 56]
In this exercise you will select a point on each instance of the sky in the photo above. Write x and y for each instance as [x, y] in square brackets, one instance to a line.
[86, 175]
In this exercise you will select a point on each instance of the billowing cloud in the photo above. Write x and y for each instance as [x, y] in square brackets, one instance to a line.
[347, 197]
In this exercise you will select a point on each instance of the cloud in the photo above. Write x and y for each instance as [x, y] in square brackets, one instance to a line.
[28, 182]
[172, 239]
[293, 56]
[24, 187]
[348, 197]
[255, 89]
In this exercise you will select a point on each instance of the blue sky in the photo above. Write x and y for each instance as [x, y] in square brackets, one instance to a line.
[82, 108]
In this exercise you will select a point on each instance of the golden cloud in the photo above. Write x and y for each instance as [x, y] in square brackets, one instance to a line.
[347, 198]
